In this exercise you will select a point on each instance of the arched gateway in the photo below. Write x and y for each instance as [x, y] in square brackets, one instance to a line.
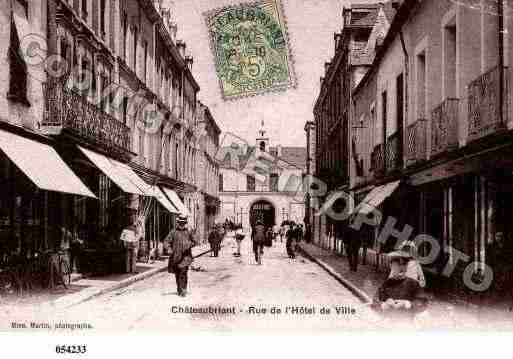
[264, 211]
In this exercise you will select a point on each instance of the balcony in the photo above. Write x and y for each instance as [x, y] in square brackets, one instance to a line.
[378, 160]
[417, 144]
[393, 156]
[67, 109]
[484, 107]
[444, 127]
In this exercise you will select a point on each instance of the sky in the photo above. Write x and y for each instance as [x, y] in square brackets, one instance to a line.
[311, 25]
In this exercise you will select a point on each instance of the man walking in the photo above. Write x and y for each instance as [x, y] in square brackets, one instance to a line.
[292, 238]
[354, 243]
[215, 238]
[180, 244]
[258, 236]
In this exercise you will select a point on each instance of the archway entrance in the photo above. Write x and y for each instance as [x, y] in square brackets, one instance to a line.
[264, 211]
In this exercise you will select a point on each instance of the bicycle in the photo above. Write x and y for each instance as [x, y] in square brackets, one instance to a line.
[53, 269]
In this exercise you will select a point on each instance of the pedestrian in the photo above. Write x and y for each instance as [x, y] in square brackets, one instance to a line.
[292, 237]
[258, 237]
[215, 238]
[239, 236]
[413, 267]
[269, 237]
[180, 242]
[400, 296]
[353, 242]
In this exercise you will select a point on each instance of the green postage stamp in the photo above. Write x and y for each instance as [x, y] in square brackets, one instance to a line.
[251, 48]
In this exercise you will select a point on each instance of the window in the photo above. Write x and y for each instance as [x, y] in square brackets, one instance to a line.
[25, 5]
[384, 114]
[262, 146]
[17, 70]
[136, 35]
[84, 10]
[449, 73]
[102, 18]
[221, 184]
[145, 64]
[125, 36]
[273, 179]
[421, 85]
[250, 181]
[125, 110]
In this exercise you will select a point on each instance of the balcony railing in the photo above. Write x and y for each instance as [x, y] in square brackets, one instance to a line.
[484, 117]
[69, 110]
[417, 144]
[444, 127]
[393, 153]
[378, 159]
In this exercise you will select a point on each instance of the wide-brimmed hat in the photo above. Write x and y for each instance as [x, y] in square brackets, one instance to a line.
[182, 219]
[399, 254]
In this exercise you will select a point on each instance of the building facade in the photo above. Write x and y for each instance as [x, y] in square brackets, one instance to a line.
[114, 97]
[262, 182]
[432, 147]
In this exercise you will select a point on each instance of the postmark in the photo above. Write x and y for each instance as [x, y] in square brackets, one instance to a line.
[251, 48]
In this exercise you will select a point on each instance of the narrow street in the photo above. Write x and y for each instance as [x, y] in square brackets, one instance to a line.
[229, 282]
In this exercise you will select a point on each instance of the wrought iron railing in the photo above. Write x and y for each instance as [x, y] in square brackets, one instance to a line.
[393, 153]
[68, 109]
[416, 150]
[378, 159]
[444, 126]
[484, 107]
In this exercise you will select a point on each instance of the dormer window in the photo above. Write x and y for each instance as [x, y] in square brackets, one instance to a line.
[262, 146]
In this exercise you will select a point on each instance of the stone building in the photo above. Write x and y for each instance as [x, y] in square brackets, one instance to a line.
[261, 182]
[364, 27]
[114, 108]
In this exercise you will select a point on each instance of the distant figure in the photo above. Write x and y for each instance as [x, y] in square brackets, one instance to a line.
[269, 234]
[353, 243]
[258, 236]
[180, 242]
[215, 238]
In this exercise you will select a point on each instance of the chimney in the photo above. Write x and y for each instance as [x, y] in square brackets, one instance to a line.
[181, 47]
[189, 60]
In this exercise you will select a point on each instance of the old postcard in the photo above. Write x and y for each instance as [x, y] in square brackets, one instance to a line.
[255, 165]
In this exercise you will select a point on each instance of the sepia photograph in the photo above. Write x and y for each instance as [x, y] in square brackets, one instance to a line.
[255, 166]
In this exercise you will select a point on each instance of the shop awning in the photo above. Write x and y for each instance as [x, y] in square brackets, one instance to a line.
[42, 165]
[161, 197]
[177, 202]
[377, 196]
[114, 170]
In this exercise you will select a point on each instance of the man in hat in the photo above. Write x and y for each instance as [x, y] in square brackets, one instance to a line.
[181, 241]
[400, 295]
[258, 236]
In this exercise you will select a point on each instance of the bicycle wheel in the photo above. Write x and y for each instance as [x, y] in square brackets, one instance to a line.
[65, 272]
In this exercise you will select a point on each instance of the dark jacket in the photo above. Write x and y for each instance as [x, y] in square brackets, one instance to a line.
[258, 234]
[180, 242]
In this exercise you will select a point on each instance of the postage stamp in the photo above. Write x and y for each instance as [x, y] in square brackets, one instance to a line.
[251, 48]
